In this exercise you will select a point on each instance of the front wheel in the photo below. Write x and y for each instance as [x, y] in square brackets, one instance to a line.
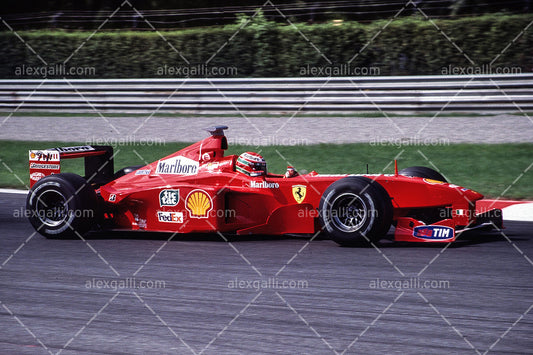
[61, 205]
[355, 210]
[422, 172]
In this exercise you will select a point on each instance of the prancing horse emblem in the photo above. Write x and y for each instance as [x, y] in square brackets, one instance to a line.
[299, 192]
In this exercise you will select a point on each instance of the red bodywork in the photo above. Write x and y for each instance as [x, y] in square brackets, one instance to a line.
[197, 190]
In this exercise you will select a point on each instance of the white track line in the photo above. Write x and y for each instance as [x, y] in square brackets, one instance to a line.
[519, 212]
[13, 191]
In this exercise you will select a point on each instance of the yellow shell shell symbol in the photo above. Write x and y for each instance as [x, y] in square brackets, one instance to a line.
[199, 204]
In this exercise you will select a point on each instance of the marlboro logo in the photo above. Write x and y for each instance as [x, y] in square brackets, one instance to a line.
[177, 166]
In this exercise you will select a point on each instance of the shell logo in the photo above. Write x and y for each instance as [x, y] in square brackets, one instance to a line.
[434, 182]
[198, 204]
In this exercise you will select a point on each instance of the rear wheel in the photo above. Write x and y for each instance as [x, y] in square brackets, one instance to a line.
[422, 172]
[61, 205]
[355, 210]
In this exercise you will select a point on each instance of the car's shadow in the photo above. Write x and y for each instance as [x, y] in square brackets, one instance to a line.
[164, 236]
[464, 239]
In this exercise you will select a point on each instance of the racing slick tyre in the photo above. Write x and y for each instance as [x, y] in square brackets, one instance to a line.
[126, 170]
[61, 205]
[355, 210]
[422, 172]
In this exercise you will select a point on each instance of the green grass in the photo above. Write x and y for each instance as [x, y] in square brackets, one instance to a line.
[492, 169]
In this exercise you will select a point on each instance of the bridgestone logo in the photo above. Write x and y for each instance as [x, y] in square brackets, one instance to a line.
[44, 166]
[177, 166]
[264, 185]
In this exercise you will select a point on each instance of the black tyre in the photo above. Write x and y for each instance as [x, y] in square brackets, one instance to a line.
[423, 172]
[355, 210]
[61, 205]
[126, 170]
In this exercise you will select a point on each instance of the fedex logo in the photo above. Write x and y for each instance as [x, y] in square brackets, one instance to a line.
[170, 217]
[440, 233]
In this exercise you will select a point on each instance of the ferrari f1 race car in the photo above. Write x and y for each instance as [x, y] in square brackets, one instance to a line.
[199, 190]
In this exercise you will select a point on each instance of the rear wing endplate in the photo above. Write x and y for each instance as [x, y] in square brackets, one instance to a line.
[99, 167]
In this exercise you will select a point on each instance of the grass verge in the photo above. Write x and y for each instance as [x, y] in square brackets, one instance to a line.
[495, 170]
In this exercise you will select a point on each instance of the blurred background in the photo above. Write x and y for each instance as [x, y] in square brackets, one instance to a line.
[182, 14]
[135, 39]
[285, 73]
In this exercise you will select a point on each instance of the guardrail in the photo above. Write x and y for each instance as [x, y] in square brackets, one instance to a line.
[399, 93]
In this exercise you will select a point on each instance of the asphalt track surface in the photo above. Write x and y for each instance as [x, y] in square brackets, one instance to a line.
[433, 129]
[50, 301]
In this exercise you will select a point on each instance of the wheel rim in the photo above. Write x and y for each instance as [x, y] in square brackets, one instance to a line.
[52, 208]
[348, 212]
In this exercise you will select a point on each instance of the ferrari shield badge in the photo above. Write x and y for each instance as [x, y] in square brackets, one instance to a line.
[299, 192]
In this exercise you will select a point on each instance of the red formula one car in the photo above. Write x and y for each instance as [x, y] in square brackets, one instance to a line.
[199, 190]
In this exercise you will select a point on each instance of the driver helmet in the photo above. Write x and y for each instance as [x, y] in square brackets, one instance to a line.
[251, 164]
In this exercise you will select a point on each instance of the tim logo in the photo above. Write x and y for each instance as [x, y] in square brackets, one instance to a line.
[440, 233]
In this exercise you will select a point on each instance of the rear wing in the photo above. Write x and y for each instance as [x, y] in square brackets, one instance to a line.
[99, 167]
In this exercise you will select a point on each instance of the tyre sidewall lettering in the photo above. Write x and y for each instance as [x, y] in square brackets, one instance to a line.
[68, 196]
[372, 198]
[75, 196]
[37, 191]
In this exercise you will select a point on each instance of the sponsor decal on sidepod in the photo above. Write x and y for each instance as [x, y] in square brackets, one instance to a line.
[170, 217]
[198, 203]
[264, 185]
[143, 172]
[177, 166]
[169, 197]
